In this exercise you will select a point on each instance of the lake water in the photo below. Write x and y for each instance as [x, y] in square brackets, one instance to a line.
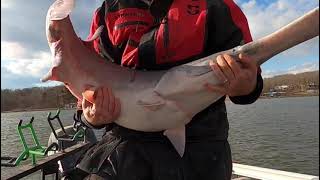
[279, 133]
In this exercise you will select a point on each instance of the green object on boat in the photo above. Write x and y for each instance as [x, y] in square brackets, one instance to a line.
[65, 137]
[37, 149]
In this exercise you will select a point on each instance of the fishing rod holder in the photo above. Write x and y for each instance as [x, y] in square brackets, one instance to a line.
[79, 129]
[77, 121]
[37, 149]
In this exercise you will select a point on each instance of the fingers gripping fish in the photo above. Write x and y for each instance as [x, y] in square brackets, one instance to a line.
[153, 100]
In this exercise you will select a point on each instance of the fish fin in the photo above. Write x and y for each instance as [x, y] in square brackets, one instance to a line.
[89, 42]
[90, 93]
[96, 34]
[177, 137]
[51, 75]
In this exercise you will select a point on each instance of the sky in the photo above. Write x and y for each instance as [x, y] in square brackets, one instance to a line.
[25, 55]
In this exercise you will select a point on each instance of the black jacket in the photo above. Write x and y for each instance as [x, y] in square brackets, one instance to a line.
[127, 154]
[223, 31]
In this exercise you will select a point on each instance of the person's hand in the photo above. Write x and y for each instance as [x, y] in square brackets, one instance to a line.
[104, 110]
[238, 78]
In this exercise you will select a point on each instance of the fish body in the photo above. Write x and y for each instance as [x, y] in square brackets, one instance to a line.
[150, 100]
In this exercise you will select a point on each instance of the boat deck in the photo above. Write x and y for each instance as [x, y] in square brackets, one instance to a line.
[246, 172]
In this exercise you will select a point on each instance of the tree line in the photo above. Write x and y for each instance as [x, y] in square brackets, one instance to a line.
[59, 96]
[35, 98]
[295, 82]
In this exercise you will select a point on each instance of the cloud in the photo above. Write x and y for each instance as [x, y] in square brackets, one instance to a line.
[35, 67]
[12, 50]
[6, 4]
[25, 22]
[25, 54]
[13, 81]
[47, 84]
[19, 81]
[266, 18]
[306, 67]
[16, 60]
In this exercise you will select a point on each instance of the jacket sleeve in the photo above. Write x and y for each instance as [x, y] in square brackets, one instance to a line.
[89, 125]
[253, 96]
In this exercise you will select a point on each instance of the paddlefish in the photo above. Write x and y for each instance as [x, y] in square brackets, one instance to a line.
[164, 100]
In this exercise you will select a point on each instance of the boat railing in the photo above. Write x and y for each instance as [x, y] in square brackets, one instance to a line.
[240, 171]
[45, 165]
[246, 172]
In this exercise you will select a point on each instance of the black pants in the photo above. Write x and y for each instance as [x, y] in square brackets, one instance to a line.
[150, 156]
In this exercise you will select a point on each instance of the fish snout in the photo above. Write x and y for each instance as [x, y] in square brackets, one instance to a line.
[58, 11]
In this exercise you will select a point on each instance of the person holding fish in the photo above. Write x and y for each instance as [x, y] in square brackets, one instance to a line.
[157, 35]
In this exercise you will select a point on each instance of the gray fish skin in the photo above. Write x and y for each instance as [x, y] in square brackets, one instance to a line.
[154, 100]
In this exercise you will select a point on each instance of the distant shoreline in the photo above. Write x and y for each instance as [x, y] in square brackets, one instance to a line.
[286, 96]
[37, 109]
[290, 95]
[49, 109]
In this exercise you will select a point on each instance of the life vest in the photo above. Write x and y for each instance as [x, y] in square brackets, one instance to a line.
[170, 33]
